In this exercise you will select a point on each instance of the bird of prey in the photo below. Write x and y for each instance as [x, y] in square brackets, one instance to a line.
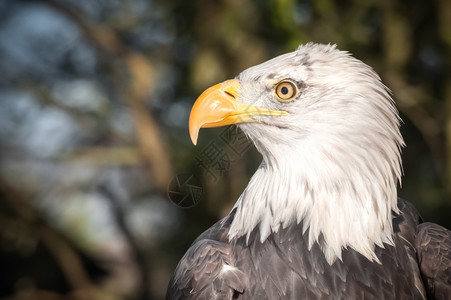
[320, 218]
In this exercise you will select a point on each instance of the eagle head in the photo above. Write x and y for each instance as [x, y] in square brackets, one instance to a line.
[328, 131]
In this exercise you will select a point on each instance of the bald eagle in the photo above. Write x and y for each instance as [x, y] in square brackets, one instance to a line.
[320, 218]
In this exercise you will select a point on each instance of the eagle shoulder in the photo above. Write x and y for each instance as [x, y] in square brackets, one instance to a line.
[433, 245]
[207, 270]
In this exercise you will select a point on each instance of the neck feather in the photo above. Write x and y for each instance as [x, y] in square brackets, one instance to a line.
[344, 200]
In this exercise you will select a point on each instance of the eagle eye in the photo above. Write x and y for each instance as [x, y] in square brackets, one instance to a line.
[286, 90]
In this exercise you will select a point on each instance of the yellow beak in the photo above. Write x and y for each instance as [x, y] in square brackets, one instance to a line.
[218, 106]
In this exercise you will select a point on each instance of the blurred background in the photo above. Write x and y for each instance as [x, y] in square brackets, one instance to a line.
[101, 190]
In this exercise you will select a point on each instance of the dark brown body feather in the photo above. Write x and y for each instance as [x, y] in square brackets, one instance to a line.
[282, 267]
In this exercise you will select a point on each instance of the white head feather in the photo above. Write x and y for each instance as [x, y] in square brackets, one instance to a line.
[333, 163]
